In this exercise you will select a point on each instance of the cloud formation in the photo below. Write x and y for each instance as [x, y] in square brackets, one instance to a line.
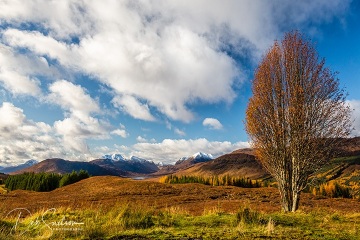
[120, 132]
[162, 56]
[17, 72]
[179, 132]
[157, 59]
[23, 139]
[212, 123]
[170, 150]
[80, 125]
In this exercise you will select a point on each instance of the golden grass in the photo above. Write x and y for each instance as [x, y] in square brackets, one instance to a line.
[136, 222]
[124, 208]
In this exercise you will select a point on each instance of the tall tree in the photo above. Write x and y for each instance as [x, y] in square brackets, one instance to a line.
[296, 114]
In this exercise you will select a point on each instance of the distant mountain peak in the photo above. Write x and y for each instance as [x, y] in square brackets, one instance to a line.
[118, 157]
[31, 162]
[114, 157]
[197, 157]
[201, 155]
[19, 167]
[137, 159]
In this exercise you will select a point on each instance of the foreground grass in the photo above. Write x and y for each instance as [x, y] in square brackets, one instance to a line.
[3, 190]
[129, 222]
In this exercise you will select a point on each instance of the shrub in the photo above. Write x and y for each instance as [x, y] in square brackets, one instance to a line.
[247, 216]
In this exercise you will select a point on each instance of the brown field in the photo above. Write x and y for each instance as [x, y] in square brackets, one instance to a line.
[106, 192]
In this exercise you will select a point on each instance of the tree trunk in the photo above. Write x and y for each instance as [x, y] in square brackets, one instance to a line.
[295, 199]
[289, 197]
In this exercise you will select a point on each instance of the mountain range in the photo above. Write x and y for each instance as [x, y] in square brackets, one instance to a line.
[241, 162]
[109, 164]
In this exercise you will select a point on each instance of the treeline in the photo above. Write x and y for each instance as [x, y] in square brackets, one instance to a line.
[225, 180]
[43, 182]
[333, 190]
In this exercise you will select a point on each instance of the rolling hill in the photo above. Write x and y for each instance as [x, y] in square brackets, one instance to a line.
[57, 165]
[99, 167]
[241, 162]
[344, 168]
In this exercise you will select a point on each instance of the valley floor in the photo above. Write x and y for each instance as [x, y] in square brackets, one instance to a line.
[118, 208]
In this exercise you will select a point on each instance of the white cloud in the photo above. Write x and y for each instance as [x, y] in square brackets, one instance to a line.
[179, 132]
[62, 18]
[37, 42]
[166, 55]
[155, 58]
[80, 125]
[355, 105]
[120, 132]
[73, 98]
[169, 150]
[141, 139]
[212, 123]
[16, 72]
[22, 139]
[133, 107]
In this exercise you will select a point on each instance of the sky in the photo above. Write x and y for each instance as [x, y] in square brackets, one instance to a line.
[156, 79]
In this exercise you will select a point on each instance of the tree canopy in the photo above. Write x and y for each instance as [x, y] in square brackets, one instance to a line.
[296, 114]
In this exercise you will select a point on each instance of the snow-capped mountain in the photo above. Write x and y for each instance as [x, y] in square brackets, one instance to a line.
[126, 166]
[31, 162]
[113, 157]
[197, 157]
[137, 159]
[183, 158]
[203, 156]
[119, 157]
[186, 162]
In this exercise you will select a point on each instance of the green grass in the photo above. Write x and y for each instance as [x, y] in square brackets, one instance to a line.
[130, 222]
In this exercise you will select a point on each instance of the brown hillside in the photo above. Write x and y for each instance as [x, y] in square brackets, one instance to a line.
[106, 192]
[56, 165]
[127, 168]
[237, 163]
[348, 147]
[179, 166]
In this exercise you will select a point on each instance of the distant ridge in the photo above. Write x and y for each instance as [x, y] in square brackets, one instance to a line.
[19, 167]
[130, 167]
[241, 162]
[57, 165]
[185, 163]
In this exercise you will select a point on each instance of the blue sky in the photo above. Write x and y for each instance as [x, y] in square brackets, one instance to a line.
[156, 79]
